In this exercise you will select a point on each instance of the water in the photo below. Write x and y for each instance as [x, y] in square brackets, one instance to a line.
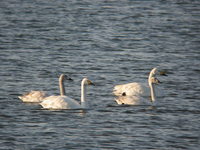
[110, 42]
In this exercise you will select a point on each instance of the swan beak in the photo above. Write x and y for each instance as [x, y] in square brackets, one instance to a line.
[163, 73]
[68, 78]
[90, 83]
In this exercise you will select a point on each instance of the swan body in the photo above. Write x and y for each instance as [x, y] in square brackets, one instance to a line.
[33, 96]
[131, 100]
[138, 89]
[38, 96]
[131, 89]
[135, 88]
[60, 102]
[65, 102]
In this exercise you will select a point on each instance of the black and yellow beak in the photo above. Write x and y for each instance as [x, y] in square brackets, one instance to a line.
[68, 78]
[163, 73]
[90, 83]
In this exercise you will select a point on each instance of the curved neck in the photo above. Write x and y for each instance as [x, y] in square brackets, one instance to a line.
[152, 73]
[152, 90]
[61, 85]
[151, 85]
[83, 94]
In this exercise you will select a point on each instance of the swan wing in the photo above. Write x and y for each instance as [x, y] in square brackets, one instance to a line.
[132, 100]
[127, 100]
[33, 96]
[130, 89]
[59, 102]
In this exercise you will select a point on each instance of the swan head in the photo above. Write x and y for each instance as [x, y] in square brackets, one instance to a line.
[163, 73]
[87, 81]
[154, 80]
[153, 72]
[65, 77]
[156, 71]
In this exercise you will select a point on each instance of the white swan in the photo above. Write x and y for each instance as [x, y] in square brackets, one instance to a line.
[131, 100]
[65, 102]
[33, 96]
[138, 89]
[38, 96]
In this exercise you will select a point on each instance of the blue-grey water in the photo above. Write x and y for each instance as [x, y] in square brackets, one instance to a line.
[110, 42]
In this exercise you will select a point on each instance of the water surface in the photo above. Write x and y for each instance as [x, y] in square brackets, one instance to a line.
[110, 42]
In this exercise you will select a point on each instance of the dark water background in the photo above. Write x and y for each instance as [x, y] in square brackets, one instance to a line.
[111, 42]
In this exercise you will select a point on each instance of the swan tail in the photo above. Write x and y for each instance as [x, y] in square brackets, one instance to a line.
[33, 96]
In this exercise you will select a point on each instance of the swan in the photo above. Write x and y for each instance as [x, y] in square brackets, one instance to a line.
[38, 96]
[131, 100]
[65, 102]
[33, 96]
[138, 89]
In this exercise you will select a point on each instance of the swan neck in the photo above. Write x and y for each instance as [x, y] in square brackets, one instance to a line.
[152, 74]
[61, 85]
[149, 79]
[152, 90]
[83, 95]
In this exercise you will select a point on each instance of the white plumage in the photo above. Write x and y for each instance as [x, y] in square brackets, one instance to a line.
[60, 102]
[65, 102]
[131, 100]
[33, 96]
[138, 90]
[131, 89]
[38, 96]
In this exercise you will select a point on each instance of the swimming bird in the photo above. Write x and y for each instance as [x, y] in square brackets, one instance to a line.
[65, 102]
[138, 89]
[131, 100]
[38, 96]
